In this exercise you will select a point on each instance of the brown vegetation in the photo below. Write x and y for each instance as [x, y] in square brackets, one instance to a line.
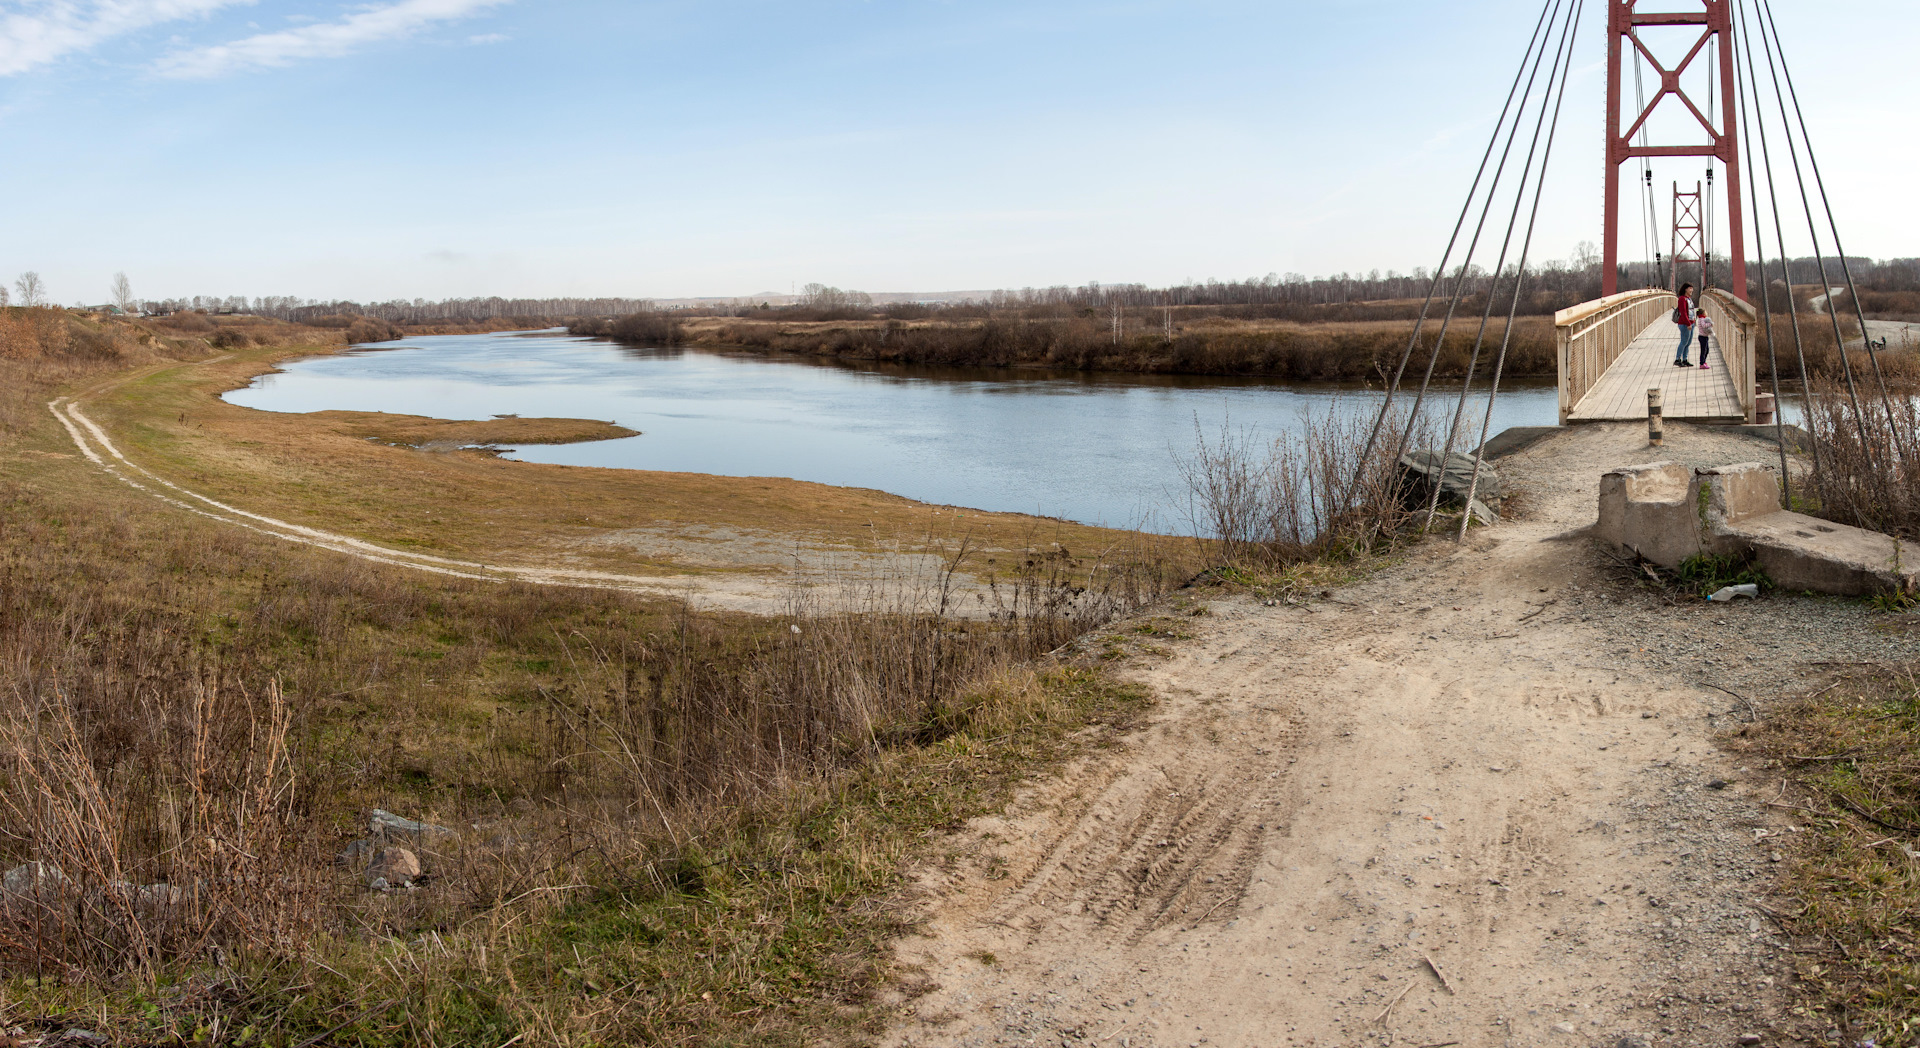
[673, 826]
[1867, 473]
[1202, 343]
[415, 431]
[1849, 760]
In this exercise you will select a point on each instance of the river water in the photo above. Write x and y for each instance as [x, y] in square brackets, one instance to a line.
[1095, 448]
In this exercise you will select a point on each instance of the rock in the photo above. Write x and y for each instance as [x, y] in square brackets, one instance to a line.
[393, 866]
[157, 897]
[1563, 1028]
[1420, 469]
[1749, 1038]
[385, 826]
[356, 855]
[1634, 1040]
[34, 880]
[1718, 784]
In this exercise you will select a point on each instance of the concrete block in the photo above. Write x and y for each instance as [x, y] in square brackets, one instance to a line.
[1652, 510]
[1740, 492]
[1805, 553]
[1658, 511]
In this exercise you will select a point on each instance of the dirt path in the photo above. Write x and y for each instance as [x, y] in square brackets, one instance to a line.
[1496, 759]
[756, 595]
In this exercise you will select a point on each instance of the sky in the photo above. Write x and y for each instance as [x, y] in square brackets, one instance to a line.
[669, 148]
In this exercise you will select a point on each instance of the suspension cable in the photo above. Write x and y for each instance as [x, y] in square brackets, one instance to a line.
[1846, 269]
[1786, 262]
[1520, 277]
[1650, 225]
[1534, 42]
[1560, 61]
[1461, 283]
[1766, 295]
[1819, 258]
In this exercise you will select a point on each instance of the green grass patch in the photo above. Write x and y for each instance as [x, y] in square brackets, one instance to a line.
[1852, 758]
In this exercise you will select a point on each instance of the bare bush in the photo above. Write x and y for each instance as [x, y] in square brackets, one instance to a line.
[1300, 495]
[1866, 473]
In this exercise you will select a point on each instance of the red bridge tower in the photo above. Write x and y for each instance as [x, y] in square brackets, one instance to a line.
[1715, 18]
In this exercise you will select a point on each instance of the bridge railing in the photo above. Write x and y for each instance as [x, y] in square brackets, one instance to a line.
[1592, 335]
[1735, 327]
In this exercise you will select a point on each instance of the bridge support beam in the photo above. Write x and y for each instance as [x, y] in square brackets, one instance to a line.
[1715, 19]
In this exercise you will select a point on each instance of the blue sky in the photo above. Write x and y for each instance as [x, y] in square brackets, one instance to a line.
[433, 148]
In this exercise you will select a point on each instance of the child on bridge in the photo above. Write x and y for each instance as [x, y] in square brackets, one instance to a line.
[1703, 331]
[1683, 316]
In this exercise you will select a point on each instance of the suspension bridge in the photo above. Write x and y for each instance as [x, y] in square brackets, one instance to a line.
[1709, 81]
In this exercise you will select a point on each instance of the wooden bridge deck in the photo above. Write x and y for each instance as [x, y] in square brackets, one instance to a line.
[1686, 393]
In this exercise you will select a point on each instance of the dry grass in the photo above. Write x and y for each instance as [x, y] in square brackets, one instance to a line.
[321, 471]
[1202, 343]
[1850, 757]
[675, 827]
[415, 431]
[1868, 472]
[1318, 495]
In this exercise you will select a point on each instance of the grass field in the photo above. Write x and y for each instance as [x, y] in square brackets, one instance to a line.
[411, 484]
[674, 825]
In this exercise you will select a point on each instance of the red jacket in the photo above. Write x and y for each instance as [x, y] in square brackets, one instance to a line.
[1686, 309]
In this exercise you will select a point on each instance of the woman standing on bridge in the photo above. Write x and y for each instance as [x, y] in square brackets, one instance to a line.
[1683, 316]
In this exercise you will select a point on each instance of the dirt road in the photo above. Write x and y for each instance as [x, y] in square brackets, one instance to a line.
[1473, 800]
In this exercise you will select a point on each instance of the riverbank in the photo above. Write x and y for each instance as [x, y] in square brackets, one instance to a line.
[1277, 350]
[230, 639]
[421, 488]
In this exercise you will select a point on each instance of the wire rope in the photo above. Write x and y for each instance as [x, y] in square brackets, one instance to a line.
[1650, 226]
[1560, 60]
[1826, 203]
[1819, 257]
[1786, 260]
[1766, 294]
[1534, 43]
[1520, 275]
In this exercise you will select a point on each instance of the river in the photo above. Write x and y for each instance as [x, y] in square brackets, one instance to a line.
[1096, 448]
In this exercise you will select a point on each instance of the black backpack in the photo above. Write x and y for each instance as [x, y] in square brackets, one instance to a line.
[1682, 316]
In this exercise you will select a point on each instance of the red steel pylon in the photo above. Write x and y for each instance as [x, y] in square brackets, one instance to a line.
[1715, 18]
[1689, 238]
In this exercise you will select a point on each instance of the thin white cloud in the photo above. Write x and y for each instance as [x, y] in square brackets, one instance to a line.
[322, 40]
[42, 31]
[488, 38]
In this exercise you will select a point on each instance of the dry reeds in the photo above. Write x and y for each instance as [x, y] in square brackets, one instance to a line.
[1286, 499]
[1866, 473]
[193, 722]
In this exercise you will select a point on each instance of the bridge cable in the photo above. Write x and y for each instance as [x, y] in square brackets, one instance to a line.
[1463, 281]
[1534, 41]
[1649, 226]
[1833, 226]
[1786, 267]
[1819, 257]
[1520, 273]
[1766, 289]
[1560, 60]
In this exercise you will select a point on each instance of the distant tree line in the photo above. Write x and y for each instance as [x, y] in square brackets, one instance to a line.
[1550, 285]
[400, 311]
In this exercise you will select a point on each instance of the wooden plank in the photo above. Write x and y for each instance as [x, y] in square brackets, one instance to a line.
[1689, 393]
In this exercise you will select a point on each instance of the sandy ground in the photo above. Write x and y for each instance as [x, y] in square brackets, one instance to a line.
[1495, 762]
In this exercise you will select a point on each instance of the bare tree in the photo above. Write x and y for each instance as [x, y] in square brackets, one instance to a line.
[123, 292]
[33, 291]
